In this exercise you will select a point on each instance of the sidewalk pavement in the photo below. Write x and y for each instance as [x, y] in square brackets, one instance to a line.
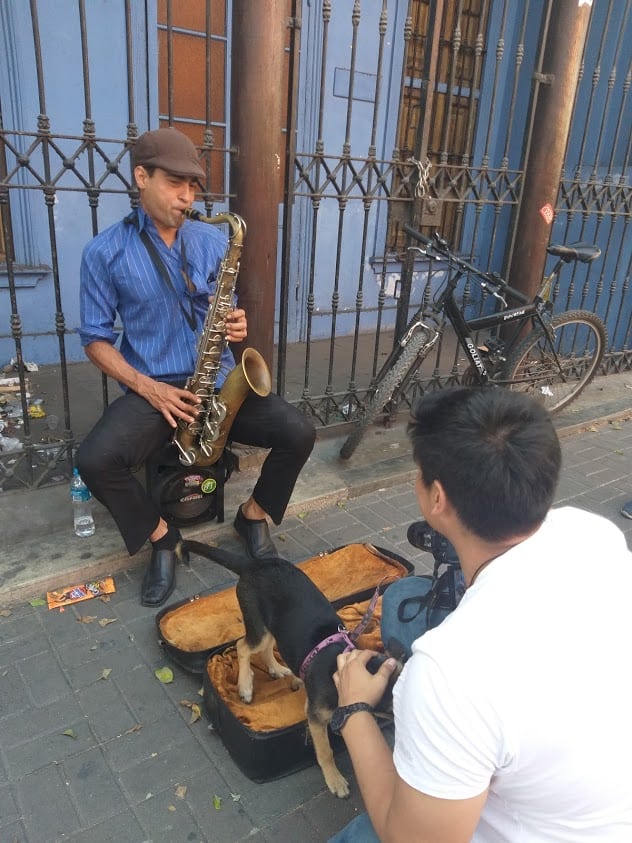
[94, 748]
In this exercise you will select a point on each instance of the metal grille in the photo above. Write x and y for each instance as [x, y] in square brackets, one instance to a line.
[457, 166]
[416, 112]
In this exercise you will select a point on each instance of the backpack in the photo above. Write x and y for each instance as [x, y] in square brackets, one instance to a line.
[413, 605]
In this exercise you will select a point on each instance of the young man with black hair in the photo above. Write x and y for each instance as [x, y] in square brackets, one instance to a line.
[160, 290]
[512, 717]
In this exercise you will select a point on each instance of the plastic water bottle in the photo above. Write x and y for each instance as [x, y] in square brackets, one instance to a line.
[81, 506]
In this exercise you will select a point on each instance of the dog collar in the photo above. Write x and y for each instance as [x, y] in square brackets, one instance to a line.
[341, 635]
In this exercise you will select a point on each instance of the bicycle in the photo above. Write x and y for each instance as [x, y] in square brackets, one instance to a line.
[555, 361]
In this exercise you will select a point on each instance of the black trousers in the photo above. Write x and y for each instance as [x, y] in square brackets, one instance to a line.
[131, 429]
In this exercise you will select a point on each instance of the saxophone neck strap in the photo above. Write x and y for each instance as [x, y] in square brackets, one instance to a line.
[159, 264]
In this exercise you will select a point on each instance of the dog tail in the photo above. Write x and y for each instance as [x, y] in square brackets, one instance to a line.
[237, 564]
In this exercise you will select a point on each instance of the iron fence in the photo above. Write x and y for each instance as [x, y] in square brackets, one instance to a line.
[417, 111]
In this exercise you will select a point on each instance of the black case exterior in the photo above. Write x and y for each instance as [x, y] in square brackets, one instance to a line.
[191, 662]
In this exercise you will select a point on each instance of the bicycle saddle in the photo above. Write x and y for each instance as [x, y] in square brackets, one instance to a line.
[583, 252]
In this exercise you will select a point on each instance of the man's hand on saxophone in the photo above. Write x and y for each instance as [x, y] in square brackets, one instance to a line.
[236, 325]
[172, 402]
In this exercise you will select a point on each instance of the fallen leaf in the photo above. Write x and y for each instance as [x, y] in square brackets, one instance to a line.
[196, 711]
[106, 672]
[201, 691]
[5, 613]
[69, 733]
[593, 428]
[302, 515]
[86, 618]
[107, 621]
[164, 675]
[135, 728]
[621, 453]
[181, 791]
[616, 426]
[171, 808]
[37, 601]
[217, 802]
[235, 797]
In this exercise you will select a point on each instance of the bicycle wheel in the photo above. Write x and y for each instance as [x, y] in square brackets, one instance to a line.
[579, 339]
[384, 391]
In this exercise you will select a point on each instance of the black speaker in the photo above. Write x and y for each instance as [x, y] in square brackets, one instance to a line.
[187, 495]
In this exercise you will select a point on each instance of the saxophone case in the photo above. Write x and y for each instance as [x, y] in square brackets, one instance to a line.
[268, 738]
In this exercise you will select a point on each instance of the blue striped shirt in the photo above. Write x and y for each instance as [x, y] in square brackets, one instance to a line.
[118, 275]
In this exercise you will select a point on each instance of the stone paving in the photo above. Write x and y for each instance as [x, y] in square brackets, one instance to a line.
[94, 748]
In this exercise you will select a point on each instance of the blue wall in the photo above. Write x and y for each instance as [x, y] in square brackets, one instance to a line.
[63, 100]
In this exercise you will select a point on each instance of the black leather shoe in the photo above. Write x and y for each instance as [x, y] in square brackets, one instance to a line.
[160, 578]
[256, 535]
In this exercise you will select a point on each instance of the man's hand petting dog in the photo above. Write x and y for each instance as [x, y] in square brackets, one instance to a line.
[355, 683]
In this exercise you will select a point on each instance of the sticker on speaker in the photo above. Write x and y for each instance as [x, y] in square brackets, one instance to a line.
[192, 480]
[209, 485]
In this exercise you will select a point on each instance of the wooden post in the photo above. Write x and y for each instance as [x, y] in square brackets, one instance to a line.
[257, 119]
[556, 85]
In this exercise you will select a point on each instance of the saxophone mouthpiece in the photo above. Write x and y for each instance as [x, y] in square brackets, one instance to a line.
[193, 214]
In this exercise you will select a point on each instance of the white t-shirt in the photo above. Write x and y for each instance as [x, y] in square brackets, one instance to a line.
[527, 687]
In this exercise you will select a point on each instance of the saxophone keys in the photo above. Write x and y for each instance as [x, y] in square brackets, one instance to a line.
[206, 448]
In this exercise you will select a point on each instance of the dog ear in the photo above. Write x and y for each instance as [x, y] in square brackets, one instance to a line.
[375, 662]
[373, 665]
[395, 650]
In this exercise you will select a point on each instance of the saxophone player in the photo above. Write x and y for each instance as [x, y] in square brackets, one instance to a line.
[155, 270]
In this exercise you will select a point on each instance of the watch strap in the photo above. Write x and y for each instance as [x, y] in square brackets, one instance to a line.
[344, 712]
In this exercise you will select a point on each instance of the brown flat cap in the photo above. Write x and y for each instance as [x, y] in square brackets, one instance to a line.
[170, 150]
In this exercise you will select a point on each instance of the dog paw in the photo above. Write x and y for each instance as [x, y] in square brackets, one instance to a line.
[337, 784]
[246, 691]
[279, 672]
[296, 683]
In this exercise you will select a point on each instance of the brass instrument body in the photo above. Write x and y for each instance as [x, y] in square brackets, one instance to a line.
[202, 441]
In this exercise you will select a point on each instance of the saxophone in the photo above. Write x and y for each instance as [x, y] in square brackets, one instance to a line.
[202, 441]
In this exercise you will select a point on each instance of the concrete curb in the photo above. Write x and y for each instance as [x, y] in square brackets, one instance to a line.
[323, 487]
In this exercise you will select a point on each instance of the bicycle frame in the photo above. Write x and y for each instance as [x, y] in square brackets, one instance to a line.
[464, 329]
[447, 306]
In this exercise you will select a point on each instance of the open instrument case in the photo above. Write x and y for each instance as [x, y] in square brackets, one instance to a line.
[268, 738]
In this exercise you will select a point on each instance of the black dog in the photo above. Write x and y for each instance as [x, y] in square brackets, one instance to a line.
[280, 603]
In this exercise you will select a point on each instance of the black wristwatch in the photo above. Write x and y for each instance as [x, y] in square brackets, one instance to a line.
[344, 712]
